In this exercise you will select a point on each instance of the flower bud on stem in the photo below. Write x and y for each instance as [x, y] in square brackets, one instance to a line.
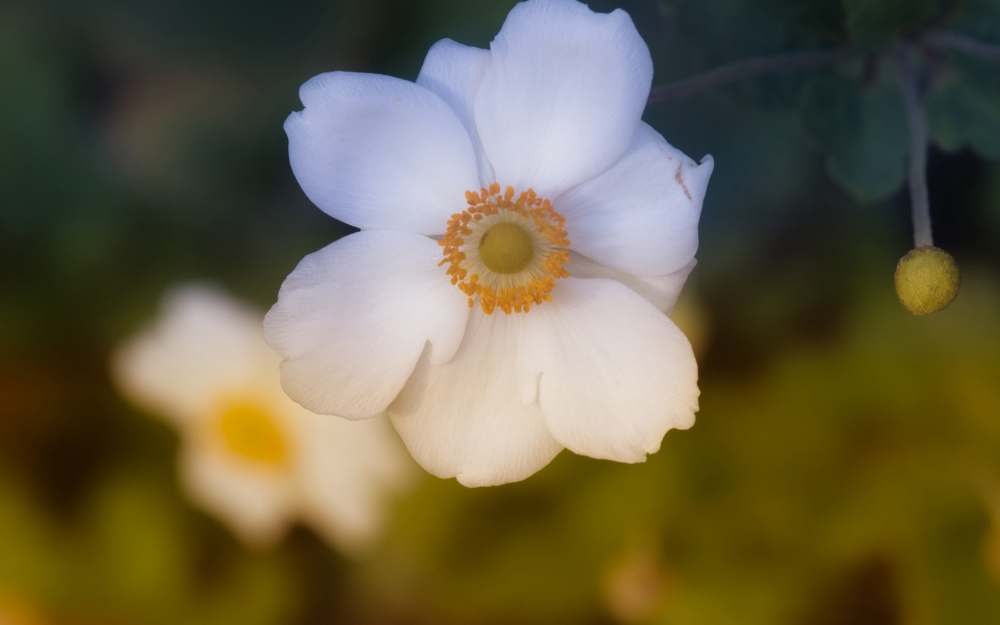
[927, 278]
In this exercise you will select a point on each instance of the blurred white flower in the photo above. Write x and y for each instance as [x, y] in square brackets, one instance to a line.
[566, 227]
[249, 454]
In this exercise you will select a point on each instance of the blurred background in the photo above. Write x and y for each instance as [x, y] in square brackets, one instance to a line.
[845, 465]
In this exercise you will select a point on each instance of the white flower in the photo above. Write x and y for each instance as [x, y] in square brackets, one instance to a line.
[249, 454]
[566, 228]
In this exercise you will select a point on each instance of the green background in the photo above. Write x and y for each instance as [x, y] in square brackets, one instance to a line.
[845, 466]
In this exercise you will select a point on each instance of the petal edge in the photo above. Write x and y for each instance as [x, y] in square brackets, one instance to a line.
[380, 152]
[616, 373]
[352, 320]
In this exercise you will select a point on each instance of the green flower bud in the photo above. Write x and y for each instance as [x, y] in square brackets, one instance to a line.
[927, 280]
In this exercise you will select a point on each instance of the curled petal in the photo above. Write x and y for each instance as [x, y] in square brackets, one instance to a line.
[380, 152]
[563, 95]
[641, 215]
[465, 418]
[352, 320]
[615, 372]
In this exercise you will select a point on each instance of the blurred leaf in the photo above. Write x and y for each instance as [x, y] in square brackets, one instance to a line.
[979, 18]
[963, 110]
[877, 21]
[131, 559]
[138, 551]
[29, 559]
[861, 131]
[735, 29]
[258, 592]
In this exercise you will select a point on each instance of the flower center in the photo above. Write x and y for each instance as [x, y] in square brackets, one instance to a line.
[504, 252]
[252, 434]
[506, 248]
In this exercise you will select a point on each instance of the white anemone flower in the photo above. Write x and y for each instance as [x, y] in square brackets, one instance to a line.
[523, 234]
[249, 454]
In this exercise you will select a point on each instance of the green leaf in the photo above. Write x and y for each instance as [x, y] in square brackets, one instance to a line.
[963, 110]
[861, 131]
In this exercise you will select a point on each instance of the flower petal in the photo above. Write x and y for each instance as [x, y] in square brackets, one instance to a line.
[257, 504]
[203, 343]
[661, 291]
[380, 152]
[464, 419]
[352, 319]
[454, 72]
[563, 96]
[616, 373]
[348, 471]
[641, 215]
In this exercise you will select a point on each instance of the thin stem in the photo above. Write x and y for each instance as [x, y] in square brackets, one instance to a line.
[916, 123]
[967, 45]
[748, 68]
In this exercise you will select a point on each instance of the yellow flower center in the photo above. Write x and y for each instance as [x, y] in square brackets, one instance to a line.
[506, 248]
[252, 434]
[504, 252]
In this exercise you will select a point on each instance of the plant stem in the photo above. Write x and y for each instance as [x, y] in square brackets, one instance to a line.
[916, 123]
[968, 45]
[748, 68]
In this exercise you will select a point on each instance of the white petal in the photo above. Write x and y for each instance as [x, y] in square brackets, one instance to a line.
[563, 96]
[640, 216]
[352, 320]
[616, 373]
[256, 503]
[348, 471]
[380, 152]
[465, 419]
[454, 72]
[661, 291]
[204, 343]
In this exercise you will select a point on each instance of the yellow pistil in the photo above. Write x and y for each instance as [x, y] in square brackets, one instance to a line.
[507, 253]
[252, 434]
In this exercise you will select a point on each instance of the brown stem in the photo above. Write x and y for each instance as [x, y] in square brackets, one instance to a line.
[964, 44]
[749, 68]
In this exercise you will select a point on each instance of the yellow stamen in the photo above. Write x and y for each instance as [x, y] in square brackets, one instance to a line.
[252, 434]
[507, 253]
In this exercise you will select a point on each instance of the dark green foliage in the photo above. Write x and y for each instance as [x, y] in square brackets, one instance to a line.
[876, 22]
[963, 109]
[853, 115]
[836, 472]
[861, 131]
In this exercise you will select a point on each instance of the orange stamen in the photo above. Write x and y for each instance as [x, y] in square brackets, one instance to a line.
[536, 282]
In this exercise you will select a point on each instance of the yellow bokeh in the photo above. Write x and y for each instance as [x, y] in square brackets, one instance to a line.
[251, 432]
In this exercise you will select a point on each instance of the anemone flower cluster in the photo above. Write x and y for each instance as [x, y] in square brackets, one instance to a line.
[249, 454]
[523, 235]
